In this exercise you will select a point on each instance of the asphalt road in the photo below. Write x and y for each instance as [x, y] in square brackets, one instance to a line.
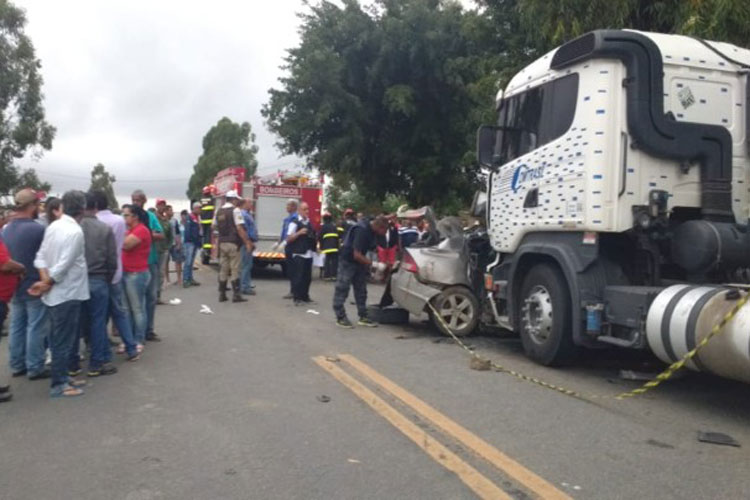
[229, 406]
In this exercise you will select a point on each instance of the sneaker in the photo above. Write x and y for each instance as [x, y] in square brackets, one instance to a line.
[187, 284]
[152, 337]
[134, 357]
[75, 373]
[107, 369]
[288, 296]
[4, 389]
[41, 375]
[249, 292]
[366, 322]
[298, 302]
[344, 322]
[5, 397]
[20, 373]
[194, 283]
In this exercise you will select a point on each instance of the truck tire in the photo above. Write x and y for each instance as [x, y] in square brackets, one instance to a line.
[459, 309]
[544, 316]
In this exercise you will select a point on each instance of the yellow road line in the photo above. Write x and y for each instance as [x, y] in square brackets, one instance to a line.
[541, 487]
[479, 484]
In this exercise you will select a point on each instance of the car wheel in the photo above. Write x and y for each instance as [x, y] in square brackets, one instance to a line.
[544, 316]
[388, 315]
[458, 308]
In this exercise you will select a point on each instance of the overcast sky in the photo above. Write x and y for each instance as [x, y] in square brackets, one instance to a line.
[136, 84]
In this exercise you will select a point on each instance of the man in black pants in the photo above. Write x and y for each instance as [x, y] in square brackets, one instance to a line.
[300, 244]
[354, 267]
[329, 246]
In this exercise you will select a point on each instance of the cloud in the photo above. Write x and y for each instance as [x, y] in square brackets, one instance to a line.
[136, 84]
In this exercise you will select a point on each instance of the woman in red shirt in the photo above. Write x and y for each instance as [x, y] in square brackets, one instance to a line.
[10, 270]
[136, 276]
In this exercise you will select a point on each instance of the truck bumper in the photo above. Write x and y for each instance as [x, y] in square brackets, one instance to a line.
[410, 293]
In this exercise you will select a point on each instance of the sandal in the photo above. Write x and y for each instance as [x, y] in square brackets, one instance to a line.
[139, 348]
[120, 349]
[66, 391]
[77, 382]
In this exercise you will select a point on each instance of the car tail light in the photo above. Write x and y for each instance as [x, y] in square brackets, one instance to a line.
[409, 264]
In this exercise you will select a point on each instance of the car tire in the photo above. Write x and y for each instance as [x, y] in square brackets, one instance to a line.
[388, 315]
[544, 316]
[459, 309]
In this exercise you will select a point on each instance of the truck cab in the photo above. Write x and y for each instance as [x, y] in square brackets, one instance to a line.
[617, 168]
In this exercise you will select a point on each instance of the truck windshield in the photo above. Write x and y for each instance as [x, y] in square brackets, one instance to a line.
[537, 116]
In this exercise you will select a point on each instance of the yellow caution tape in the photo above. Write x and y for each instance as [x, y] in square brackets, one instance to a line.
[674, 367]
[663, 376]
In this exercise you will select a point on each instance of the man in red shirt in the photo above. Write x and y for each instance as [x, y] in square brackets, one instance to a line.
[10, 270]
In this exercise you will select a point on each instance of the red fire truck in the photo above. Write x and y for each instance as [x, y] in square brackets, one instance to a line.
[269, 195]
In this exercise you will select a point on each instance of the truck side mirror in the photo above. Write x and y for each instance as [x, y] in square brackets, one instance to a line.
[487, 140]
[479, 205]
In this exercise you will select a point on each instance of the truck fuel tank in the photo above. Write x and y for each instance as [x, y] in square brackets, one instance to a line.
[682, 315]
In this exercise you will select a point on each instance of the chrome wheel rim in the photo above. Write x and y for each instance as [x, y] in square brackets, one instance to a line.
[537, 315]
[457, 311]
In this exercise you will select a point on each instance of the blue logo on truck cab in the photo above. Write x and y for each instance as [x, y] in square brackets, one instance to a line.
[523, 174]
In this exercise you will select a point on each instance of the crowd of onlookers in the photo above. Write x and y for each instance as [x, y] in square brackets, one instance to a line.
[71, 266]
[76, 269]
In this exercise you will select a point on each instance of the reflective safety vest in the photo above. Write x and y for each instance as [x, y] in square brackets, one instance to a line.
[329, 238]
[207, 217]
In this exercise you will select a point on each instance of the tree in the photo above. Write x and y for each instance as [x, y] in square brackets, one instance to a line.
[227, 144]
[23, 127]
[29, 179]
[101, 180]
[381, 97]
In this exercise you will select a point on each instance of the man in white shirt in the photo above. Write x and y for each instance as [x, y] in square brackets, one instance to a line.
[300, 245]
[63, 286]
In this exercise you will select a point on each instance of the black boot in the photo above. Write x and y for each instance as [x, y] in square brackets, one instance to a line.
[236, 295]
[223, 291]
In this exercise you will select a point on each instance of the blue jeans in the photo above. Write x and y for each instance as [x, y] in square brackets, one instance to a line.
[136, 286]
[65, 319]
[246, 270]
[120, 314]
[152, 295]
[190, 249]
[94, 317]
[29, 330]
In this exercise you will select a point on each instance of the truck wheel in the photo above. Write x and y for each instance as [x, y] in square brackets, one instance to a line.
[458, 308]
[544, 316]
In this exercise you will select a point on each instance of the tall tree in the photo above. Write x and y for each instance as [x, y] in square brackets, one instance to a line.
[29, 179]
[227, 144]
[382, 97]
[23, 127]
[101, 180]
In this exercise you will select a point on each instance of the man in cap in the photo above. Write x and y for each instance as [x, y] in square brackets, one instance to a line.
[157, 234]
[232, 237]
[29, 324]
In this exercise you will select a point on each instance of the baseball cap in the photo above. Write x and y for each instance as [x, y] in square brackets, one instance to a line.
[160, 201]
[348, 211]
[231, 194]
[26, 196]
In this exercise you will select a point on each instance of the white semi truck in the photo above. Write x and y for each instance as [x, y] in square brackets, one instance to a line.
[617, 199]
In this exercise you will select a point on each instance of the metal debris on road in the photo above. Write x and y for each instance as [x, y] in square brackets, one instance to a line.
[313, 311]
[717, 438]
[323, 398]
[353, 461]
[205, 309]
[175, 302]
[636, 375]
